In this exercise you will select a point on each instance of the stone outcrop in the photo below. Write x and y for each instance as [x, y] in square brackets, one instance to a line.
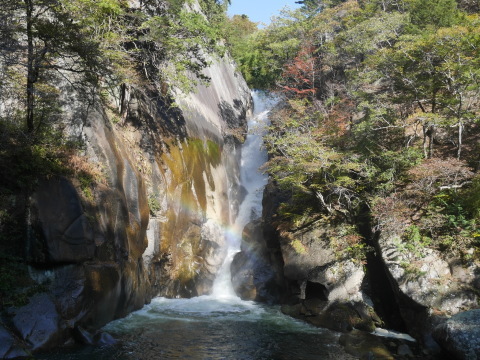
[10, 346]
[413, 290]
[257, 269]
[341, 316]
[322, 284]
[428, 288]
[39, 323]
[460, 335]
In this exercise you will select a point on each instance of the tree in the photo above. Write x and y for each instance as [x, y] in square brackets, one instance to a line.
[55, 40]
[173, 47]
[433, 13]
[438, 74]
[312, 6]
[268, 50]
[238, 29]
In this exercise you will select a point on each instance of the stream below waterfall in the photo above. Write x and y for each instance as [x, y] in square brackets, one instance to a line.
[208, 328]
[218, 326]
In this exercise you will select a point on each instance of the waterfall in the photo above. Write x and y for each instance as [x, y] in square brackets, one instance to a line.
[252, 180]
[220, 325]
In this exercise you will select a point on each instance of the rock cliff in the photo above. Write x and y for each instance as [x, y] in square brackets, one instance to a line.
[144, 215]
[325, 282]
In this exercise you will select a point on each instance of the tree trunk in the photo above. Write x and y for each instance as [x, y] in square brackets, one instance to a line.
[428, 133]
[460, 138]
[31, 77]
[425, 130]
[124, 101]
[431, 138]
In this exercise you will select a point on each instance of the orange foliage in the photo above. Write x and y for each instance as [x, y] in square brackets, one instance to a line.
[299, 74]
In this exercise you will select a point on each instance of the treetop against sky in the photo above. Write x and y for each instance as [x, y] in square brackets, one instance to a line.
[259, 10]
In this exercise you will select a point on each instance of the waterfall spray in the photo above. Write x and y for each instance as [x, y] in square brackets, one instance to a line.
[253, 181]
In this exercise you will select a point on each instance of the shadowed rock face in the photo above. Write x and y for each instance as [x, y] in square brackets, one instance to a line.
[63, 231]
[10, 346]
[256, 269]
[428, 287]
[39, 323]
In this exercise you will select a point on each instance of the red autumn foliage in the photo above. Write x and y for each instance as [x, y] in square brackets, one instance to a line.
[299, 75]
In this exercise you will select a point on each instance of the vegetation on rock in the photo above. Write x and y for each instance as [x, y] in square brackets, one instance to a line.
[380, 113]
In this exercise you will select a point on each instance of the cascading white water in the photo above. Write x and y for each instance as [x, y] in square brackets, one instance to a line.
[253, 180]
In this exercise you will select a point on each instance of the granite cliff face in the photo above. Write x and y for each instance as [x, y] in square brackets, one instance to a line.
[143, 216]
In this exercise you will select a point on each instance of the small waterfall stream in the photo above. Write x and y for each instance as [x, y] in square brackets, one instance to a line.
[253, 181]
[221, 325]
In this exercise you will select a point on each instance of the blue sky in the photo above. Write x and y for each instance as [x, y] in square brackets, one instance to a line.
[259, 10]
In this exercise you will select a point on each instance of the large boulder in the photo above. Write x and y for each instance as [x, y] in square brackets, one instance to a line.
[339, 281]
[256, 269]
[460, 335]
[10, 346]
[317, 262]
[337, 316]
[425, 277]
[427, 287]
[39, 323]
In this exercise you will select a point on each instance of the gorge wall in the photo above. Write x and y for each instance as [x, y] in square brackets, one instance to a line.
[143, 215]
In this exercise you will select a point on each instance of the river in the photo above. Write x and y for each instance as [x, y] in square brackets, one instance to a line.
[218, 326]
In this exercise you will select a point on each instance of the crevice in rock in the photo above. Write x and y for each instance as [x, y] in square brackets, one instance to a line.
[378, 284]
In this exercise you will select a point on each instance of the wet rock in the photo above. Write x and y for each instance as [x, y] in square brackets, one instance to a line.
[243, 277]
[138, 211]
[82, 336]
[38, 323]
[104, 339]
[213, 248]
[99, 338]
[256, 270]
[337, 316]
[344, 317]
[404, 350]
[460, 335]
[365, 346]
[68, 289]
[103, 290]
[292, 310]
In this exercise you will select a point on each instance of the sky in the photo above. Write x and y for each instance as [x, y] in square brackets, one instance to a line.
[259, 10]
